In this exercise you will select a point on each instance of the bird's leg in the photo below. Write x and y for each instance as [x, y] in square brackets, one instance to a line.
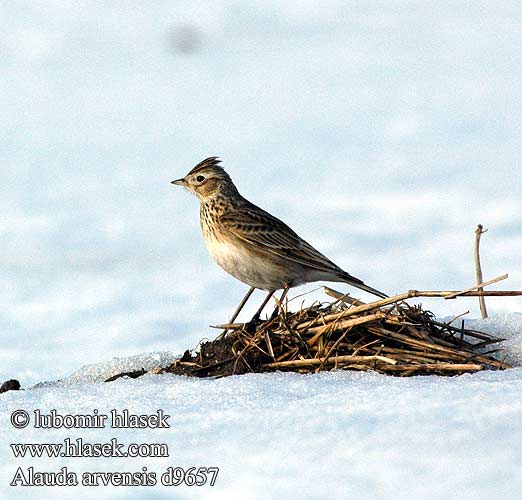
[242, 304]
[255, 317]
[239, 308]
[276, 309]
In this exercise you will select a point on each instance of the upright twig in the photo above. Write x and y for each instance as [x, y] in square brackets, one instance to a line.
[478, 270]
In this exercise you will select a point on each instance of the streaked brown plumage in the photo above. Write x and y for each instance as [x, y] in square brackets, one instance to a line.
[252, 245]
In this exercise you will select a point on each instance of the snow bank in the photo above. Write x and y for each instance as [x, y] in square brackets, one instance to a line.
[331, 435]
[283, 435]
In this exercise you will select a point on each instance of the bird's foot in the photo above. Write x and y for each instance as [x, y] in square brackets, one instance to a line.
[251, 326]
[275, 314]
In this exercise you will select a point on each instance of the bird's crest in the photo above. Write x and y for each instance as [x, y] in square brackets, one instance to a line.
[212, 161]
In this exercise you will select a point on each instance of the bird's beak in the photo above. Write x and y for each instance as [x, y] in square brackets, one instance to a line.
[179, 182]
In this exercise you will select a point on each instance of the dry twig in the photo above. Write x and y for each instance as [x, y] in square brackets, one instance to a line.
[478, 269]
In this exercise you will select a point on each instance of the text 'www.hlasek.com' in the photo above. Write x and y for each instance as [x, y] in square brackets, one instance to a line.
[79, 447]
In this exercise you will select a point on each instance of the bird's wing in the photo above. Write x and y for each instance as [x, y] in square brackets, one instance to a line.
[258, 228]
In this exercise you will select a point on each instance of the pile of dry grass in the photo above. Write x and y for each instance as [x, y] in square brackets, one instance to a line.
[388, 336]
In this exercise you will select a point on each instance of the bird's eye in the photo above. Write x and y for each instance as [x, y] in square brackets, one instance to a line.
[200, 178]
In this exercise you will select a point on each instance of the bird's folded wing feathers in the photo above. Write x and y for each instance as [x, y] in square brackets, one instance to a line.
[264, 231]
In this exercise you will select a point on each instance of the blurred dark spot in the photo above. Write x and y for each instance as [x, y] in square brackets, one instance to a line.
[185, 38]
[133, 374]
[10, 385]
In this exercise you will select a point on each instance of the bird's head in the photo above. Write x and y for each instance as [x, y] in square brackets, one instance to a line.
[206, 179]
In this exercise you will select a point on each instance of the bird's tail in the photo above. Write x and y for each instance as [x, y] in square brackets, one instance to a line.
[356, 282]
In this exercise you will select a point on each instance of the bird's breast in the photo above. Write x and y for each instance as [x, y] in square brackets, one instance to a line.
[243, 264]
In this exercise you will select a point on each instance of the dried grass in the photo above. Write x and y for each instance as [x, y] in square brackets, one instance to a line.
[387, 336]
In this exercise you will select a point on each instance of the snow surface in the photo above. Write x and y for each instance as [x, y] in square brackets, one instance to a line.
[334, 435]
[382, 132]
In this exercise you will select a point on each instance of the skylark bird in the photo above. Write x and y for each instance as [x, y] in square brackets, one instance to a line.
[252, 245]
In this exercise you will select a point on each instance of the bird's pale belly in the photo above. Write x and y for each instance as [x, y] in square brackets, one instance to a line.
[252, 269]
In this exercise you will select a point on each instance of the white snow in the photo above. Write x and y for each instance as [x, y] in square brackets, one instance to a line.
[382, 132]
[331, 435]
[282, 435]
